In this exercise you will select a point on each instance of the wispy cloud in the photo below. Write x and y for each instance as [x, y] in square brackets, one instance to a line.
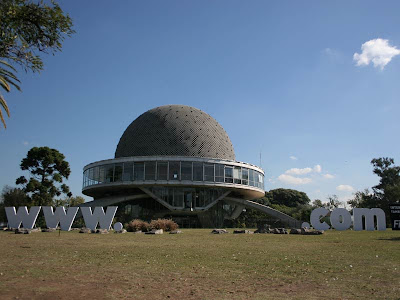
[317, 169]
[293, 157]
[377, 51]
[25, 143]
[344, 188]
[328, 176]
[296, 171]
[294, 180]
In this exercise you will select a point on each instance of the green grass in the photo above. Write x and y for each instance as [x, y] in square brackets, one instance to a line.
[200, 265]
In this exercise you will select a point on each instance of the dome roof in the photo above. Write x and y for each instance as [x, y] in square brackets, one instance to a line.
[175, 130]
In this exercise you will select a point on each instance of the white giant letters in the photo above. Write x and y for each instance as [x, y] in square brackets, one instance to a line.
[98, 216]
[22, 216]
[341, 219]
[65, 219]
[315, 218]
[369, 215]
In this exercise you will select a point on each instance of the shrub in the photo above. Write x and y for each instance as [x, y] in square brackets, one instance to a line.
[164, 224]
[138, 225]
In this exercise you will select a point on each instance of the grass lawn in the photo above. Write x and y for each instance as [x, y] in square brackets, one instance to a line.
[200, 265]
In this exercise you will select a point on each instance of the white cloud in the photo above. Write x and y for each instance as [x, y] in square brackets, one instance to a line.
[317, 169]
[345, 188]
[296, 171]
[25, 143]
[293, 157]
[377, 51]
[294, 180]
[328, 176]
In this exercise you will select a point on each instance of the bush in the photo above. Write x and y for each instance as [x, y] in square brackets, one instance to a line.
[164, 224]
[138, 225]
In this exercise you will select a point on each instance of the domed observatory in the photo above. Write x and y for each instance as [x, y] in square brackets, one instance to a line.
[176, 161]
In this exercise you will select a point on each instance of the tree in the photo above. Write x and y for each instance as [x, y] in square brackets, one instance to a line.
[47, 168]
[12, 197]
[287, 197]
[388, 189]
[7, 78]
[363, 199]
[333, 202]
[69, 201]
[384, 193]
[27, 30]
[317, 204]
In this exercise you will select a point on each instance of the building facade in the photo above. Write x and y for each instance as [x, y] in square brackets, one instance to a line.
[176, 161]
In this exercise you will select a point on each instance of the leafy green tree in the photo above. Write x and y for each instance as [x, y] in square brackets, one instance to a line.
[12, 197]
[287, 197]
[388, 189]
[69, 201]
[363, 199]
[317, 204]
[47, 168]
[7, 78]
[27, 30]
[291, 202]
[333, 202]
[384, 193]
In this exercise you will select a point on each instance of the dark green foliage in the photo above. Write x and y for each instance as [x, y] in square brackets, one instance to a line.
[28, 29]
[287, 197]
[291, 202]
[69, 201]
[47, 168]
[386, 192]
[12, 197]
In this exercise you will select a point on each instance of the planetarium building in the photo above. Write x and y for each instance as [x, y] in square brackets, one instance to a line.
[176, 161]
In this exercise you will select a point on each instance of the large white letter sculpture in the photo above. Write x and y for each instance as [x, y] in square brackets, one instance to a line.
[65, 219]
[98, 216]
[27, 219]
[315, 218]
[340, 219]
[369, 215]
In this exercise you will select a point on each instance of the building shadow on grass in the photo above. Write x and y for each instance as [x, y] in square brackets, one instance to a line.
[393, 239]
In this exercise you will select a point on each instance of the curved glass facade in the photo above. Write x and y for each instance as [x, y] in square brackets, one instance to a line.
[187, 198]
[172, 171]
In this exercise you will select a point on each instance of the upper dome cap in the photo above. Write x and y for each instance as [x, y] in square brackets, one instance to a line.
[175, 130]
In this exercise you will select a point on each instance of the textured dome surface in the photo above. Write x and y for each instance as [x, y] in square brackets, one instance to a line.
[175, 130]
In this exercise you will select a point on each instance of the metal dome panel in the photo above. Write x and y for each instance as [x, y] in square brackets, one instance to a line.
[175, 130]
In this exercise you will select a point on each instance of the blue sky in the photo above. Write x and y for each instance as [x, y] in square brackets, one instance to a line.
[281, 77]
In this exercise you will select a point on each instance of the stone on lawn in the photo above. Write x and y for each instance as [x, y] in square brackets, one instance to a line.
[219, 231]
[243, 231]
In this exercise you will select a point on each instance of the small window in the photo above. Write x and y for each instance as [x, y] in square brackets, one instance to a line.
[245, 176]
[197, 171]
[118, 172]
[162, 170]
[186, 168]
[109, 171]
[219, 173]
[228, 174]
[174, 170]
[209, 172]
[138, 171]
[150, 170]
[237, 174]
[128, 172]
